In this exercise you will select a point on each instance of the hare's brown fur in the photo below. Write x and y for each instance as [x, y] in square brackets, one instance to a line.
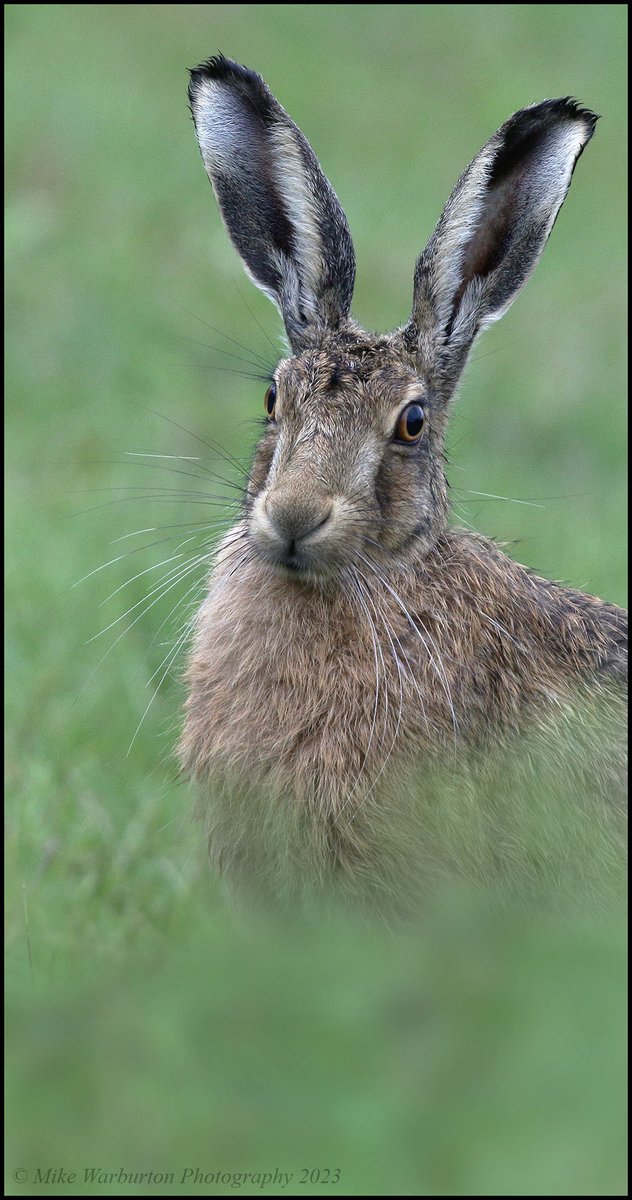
[286, 701]
[351, 640]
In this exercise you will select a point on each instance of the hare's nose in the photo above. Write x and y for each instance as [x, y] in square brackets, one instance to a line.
[294, 519]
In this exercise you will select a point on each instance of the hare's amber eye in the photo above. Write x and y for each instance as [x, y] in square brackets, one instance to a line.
[410, 424]
[269, 399]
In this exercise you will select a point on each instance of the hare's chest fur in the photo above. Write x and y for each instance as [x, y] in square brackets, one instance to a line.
[306, 690]
[305, 712]
[324, 692]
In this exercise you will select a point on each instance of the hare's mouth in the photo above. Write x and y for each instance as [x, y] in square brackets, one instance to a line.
[300, 565]
[293, 565]
[300, 571]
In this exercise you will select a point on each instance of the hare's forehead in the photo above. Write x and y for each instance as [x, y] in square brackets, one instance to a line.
[344, 381]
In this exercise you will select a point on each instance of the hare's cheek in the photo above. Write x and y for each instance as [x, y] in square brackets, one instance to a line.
[261, 467]
[405, 503]
[397, 486]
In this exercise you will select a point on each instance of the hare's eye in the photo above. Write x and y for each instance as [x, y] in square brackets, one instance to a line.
[269, 399]
[410, 424]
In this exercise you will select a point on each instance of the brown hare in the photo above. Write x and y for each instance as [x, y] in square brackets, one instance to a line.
[353, 646]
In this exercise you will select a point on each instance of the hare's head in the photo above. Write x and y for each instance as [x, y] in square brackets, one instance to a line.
[351, 461]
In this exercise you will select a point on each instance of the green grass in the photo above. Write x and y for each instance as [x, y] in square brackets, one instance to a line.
[482, 1053]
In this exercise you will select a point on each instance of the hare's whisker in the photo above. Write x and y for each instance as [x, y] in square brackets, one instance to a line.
[387, 756]
[509, 499]
[228, 354]
[197, 586]
[200, 526]
[437, 667]
[248, 349]
[126, 630]
[231, 371]
[172, 577]
[159, 499]
[213, 445]
[356, 588]
[203, 474]
[256, 319]
[168, 659]
[369, 598]
[156, 566]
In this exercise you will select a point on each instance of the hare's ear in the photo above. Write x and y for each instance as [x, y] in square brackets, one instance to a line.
[279, 209]
[494, 228]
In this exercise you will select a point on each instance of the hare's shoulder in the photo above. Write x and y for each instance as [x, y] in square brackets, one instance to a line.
[548, 627]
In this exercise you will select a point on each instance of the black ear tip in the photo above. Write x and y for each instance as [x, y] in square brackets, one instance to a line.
[524, 131]
[578, 112]
[215, 67]
[218, 68]
[566, 108]
[241, 81]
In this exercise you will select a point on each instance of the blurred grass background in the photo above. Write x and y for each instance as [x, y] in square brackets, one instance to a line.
[482, 1054]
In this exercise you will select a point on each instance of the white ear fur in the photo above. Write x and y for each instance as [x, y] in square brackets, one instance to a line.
[459, 222]
[496, 223]
[219, 124]
[300, 206]
[278, 208]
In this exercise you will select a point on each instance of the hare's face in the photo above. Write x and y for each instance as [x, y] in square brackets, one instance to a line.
[350, 465]
[347, 469]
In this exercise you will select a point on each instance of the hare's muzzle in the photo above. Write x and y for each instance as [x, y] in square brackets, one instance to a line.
[292, 531]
